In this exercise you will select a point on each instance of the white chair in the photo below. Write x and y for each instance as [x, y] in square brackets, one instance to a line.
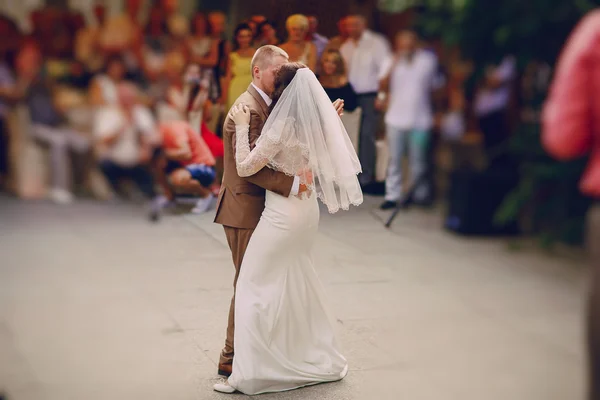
[351, 121]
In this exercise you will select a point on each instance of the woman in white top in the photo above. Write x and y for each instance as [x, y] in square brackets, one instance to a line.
[103, 90]
[297, 47]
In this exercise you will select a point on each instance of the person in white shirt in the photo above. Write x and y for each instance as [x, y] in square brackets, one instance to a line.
[364, 53]
[126, 136]
[407, 80]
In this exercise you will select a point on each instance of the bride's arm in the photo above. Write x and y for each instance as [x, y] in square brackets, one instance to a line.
[249, 162]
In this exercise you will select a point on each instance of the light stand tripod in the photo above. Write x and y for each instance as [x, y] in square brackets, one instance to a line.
[407, 201]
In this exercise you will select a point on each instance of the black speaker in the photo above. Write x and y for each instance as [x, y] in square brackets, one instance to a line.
[473, 199]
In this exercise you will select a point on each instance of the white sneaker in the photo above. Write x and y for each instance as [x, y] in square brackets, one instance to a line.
[203, 205]
[224, 388]
[61, 196]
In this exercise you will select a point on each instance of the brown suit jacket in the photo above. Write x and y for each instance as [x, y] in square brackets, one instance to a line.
[242, 200]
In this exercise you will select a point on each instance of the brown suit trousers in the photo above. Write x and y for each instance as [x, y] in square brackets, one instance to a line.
[238, 240]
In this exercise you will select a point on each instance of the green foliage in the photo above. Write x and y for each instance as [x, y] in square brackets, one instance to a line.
[547, 194]
[534, 31]
[395, 6]
[486, 30]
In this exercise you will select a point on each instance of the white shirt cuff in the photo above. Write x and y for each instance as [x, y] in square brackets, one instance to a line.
[295, 186]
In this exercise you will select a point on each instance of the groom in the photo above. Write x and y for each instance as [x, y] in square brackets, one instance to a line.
[242, 200]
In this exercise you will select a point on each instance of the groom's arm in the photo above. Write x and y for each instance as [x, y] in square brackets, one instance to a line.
[266, 178]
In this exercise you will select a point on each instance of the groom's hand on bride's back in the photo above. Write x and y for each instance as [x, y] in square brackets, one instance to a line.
[307, 180]
[303, 189]
[307, 177]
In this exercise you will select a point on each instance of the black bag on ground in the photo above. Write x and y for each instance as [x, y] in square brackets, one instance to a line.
[473, 199]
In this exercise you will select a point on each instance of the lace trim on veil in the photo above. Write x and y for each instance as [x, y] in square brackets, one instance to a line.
[305, 137]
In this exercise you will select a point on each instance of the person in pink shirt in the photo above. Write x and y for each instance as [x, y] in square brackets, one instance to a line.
[571, 116]
[190, 163]
[571, 129]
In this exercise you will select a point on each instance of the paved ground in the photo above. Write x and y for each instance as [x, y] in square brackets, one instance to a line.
[96, 303]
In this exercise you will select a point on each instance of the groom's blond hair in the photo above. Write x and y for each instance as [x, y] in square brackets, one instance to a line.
[264, 56]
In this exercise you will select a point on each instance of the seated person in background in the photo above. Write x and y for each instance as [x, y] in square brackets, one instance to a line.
[334, 79]
[78, 77]
[11, 91]
[121, 35]
[103, 87]
[189, 163]
[48, 127]
[126, 137]
[87, 46]
[156, 44]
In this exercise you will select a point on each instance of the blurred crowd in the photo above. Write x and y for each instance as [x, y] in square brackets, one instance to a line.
[120, 101]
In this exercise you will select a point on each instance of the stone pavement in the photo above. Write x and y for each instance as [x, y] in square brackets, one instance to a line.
[98, 304]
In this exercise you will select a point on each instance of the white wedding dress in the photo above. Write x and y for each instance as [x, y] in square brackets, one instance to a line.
[284, 336]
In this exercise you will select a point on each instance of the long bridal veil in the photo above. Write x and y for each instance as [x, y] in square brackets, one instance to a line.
[314, 143]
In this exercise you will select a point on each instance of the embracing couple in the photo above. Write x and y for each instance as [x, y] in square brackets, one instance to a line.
[285, 146]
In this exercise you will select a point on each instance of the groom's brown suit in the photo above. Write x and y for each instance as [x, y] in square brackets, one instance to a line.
[242, 200]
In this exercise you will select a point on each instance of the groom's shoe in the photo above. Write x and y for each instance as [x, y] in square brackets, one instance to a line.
[224, 388]
[225, 370]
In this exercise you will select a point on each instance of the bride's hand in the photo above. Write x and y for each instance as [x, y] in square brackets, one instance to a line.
[339, 106]
[240, 114]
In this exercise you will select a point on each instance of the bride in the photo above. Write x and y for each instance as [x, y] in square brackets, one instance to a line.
[284, 337]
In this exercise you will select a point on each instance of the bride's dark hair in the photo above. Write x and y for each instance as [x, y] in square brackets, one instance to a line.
[283, 78]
